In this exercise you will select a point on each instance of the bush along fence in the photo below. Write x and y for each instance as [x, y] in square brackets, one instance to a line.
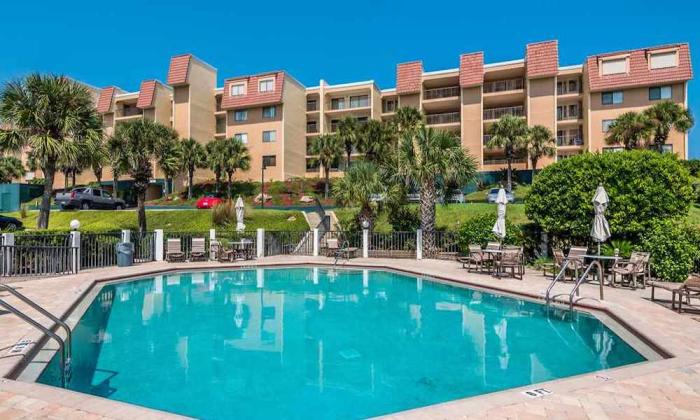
[70, 252]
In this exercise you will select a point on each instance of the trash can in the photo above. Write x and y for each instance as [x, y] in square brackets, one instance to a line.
[125, 254]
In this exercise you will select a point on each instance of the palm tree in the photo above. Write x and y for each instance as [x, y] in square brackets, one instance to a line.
[406, 119]
[193, 156]
[328, 149]
[134, 146]
[666, 115]
[170, 159]
[234, 155]
[433, 159]
[215, 161]
[375, 140]
[97, 156]
[630, 129]
[348, 133]
[509, 133]
[357, 187]
[10, 168]
[52, 116]
[540, 142]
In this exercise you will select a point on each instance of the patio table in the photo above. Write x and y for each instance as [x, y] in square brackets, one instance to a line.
[495, 254]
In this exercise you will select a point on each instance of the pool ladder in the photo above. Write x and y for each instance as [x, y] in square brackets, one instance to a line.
[64, 346]
[579, 281]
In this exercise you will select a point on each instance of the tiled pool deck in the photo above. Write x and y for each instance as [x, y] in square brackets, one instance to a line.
[668, 388]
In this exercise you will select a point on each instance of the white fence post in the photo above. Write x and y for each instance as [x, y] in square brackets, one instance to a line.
[419, 244]
[260, 243]
[126, 235]
[316, 240]
[365, 243]
[75, 250]
[8, 242]
[213, 250]
[160, 239]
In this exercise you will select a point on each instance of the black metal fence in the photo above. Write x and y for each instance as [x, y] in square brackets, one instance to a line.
[99, 249]
[392, 245]
[445, 245]
[144, 246]
[36, 260]
[289, 243]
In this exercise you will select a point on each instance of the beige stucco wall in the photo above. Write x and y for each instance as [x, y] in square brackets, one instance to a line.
[293, 136]
[472, 127]
[254, 127]
[541, 108]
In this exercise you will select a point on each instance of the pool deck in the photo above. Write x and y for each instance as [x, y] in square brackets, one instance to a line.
[667, 388]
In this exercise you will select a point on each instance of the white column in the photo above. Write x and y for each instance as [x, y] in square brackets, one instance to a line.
[75, 250]
[8, 241]
[419, 244]
[126, 235]
[316, 242]
[159, 245]
[261, 243]
[212, 249]
[365, 243]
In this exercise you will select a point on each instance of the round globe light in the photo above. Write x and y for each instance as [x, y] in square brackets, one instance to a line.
[74, 224]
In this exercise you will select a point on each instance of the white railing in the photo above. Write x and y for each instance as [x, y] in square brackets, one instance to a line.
[496, 113]
[441, 93]
[503, 85]
[445, 118]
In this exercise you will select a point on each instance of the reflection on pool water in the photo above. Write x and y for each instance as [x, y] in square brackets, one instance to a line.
[313, 343]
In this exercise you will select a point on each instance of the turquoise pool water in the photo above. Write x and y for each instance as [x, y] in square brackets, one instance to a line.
[310, 343]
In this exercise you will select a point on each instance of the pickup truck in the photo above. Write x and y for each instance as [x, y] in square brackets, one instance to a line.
[89, 198]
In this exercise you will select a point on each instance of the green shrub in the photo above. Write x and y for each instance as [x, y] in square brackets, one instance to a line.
[693, 166]
[624, 248]
[674, 248]
[478, 231]
[403, 218]
[643, 186]
[224, 213]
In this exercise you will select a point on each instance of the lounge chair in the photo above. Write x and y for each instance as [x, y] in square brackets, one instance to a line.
[174, 251]
[690, 288]
[198, 251]
[637, 266]
[331, 247]
[575, 257]
[512, 258]
[475, 258]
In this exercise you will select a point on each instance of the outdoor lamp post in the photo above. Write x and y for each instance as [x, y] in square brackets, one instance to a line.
[365, 223]
[262, 185]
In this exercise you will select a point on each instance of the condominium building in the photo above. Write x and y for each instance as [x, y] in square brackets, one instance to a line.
[277, 117]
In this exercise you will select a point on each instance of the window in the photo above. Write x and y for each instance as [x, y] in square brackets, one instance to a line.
[666, 148]
[660, 92]
[359, 101]
[389, 105]
[266, 85]
[269, 136]
[238, 89]
[573, 85]
[311, 127]
[242, 137]
[95, 192]
[334, 125]
[269, 111]
[613, 149]
[220, 125]
[610, 98]
[311, 105]
[240, 115]
[105, 194]
[337, 103]
[614, 66]
[663, 60]
[312, 165]
[269, 161]
[606, 125]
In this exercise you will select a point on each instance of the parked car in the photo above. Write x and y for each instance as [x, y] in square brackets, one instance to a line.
[10, 223]
[208, 201]
[493, 194]
[89, 198]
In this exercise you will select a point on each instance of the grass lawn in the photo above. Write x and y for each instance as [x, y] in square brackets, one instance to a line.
[519, 193]
[175, 220]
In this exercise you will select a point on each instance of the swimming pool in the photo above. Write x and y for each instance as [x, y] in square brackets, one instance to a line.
[308, 342]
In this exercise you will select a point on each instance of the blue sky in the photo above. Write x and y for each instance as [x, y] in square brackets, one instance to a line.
[337, 41]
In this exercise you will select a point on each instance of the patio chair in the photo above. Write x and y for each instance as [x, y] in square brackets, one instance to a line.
[475, 257]
[247, 251]
[635, 267]
[512, 258]
[331, 247]
[198, 251]
[174, 252]
[575, 257]
[690, 288]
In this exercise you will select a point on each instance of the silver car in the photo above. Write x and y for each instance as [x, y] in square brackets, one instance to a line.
[493, 194]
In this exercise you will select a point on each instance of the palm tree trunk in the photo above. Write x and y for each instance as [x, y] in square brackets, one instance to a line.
[73, 171]
[190, 179]
[427, 216]
[65, 180]
[115, 183]
[228, 186]
[510, 176]
[166, 185]
[141, 202]
[45, 209]
[327, 176]
[98, 175]
[218, 181]
[347, 165]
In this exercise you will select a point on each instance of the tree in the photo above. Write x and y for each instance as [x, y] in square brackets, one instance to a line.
[328, 149]
[509, 133]
[193, 156]
[540, 142]
[375, 140]
[10, 168]
[170, 159]
[406, 119]
[357, 187]
[630, 129]
[97, 156]
[215, 161]
[235, 156]
[666, 115]
[433, 159]
[134, 146]
[348, 133]
[52, 116]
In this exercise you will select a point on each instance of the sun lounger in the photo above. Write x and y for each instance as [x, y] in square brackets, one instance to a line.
[198, 251]
[174, 250]
[690, 288]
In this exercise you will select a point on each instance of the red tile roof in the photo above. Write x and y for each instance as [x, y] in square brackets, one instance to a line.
[409, 77]
[542, 59]
[147, 94]
[253, 97]
[639, 72]
[471, 69]
[104, 102]
[179, 69]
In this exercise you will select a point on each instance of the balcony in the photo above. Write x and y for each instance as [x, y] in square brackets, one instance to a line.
[311, 106]
[503, 161]
[568, 87]
[504, 85]
[355, 102]
[311, 128]
[568, 116]
[128, 112]
[445, 118]
[441, 93]
[496, 113]
[570, 140]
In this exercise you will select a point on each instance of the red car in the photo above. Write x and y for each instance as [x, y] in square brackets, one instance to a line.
[208, 201]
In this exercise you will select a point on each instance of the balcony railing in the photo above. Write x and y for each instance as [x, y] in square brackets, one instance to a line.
[503, 161]
[312, 128]
[503, 85]
[496, 113]
[440, 93]
[567, 90]
[312, 106]
[128, 112]
[564, 116]
[446, 118]
[569, 140]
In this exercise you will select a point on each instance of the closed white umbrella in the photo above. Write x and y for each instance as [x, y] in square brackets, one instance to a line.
[499, 228]
[600, 231]
[240, 211]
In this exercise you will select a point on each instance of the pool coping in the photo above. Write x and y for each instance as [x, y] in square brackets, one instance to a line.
[672, 358]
